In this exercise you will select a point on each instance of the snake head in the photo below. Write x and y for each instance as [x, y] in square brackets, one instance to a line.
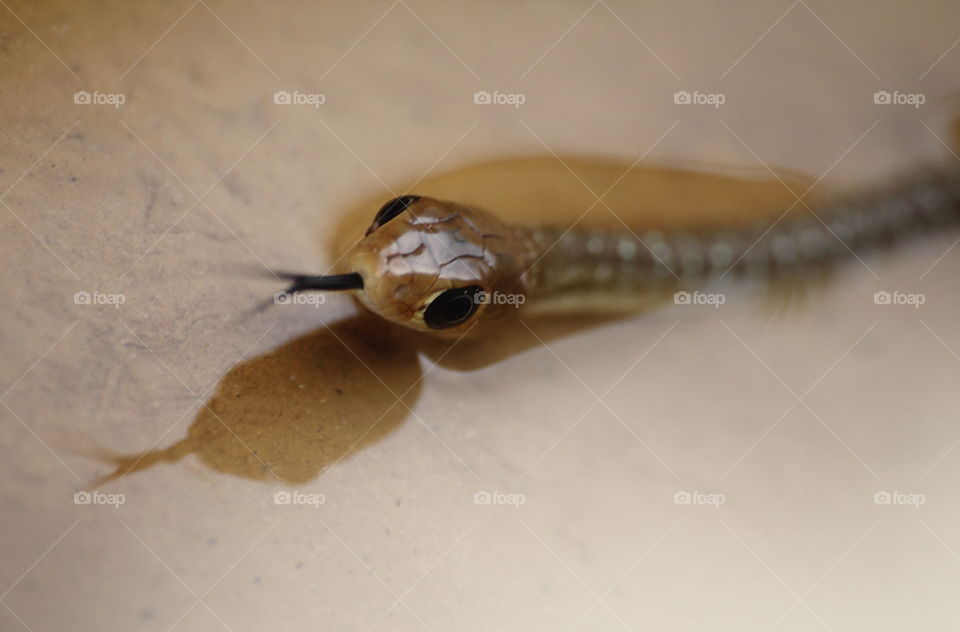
[433, 266]
[438, 267]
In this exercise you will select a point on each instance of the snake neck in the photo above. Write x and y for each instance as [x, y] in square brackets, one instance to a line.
[585, 261]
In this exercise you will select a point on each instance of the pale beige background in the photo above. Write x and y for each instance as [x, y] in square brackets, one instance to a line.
[798, 419]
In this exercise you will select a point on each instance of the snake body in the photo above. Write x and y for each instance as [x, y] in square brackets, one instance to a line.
[432, 265]
[628, 260]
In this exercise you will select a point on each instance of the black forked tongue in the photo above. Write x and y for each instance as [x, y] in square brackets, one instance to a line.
[306, 282]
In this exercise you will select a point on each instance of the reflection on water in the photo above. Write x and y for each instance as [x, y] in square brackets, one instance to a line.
[287, 415]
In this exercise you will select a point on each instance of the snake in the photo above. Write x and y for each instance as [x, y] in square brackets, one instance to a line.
[450, 269]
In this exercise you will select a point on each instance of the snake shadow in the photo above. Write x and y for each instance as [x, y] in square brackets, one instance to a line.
[287, 415]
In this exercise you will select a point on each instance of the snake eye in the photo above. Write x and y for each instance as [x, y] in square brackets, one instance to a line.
[452, 307]
[390, 210]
